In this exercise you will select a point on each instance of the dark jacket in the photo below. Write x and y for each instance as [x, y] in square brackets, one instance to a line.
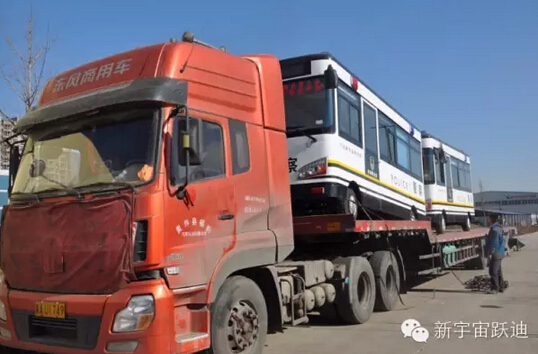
[495, 241]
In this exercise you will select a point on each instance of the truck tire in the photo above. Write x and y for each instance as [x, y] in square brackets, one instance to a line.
[238, 318]
[387, 280]
[466, 226]
[441, 225]
[357, 304]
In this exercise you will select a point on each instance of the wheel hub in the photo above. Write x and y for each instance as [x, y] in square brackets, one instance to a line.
[352, 205]
[243, 327]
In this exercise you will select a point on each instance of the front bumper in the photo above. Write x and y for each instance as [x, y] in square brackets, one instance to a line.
[87, 327]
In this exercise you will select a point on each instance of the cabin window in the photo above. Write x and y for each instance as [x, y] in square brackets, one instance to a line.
[349, 124]
[416, 158]
[455, 175]
[402, 149]
[386, 139]
[212, 160]
[240, 147]
[429, 172]
[370, 129]
[464, 175]
[440, 170]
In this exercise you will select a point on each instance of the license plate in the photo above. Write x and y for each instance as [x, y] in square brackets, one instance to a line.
[333, 226]
[50, 309]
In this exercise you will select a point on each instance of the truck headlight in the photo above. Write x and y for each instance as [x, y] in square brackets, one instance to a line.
[3, 314]
[315, 168]
[137, 316]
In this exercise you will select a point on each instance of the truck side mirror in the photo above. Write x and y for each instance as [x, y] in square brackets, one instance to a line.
[331, 78]
[186, 147]
[188, 141]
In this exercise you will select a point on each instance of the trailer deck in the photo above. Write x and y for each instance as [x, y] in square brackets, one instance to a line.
[344, 223]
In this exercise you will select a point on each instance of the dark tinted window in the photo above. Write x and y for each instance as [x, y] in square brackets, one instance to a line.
[370, 129]
[386, 138]
[240, 147]
[212, 162]
[429, 172]
[349, 124]
[440, 169]
[402, 149]
[416, 158]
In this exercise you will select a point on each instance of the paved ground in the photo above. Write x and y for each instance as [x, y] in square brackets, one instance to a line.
[451, 302]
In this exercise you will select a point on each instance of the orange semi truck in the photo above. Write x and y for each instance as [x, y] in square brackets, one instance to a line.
[151, 213]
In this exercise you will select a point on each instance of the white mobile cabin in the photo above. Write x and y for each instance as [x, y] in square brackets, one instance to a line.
[447, 183]
[349, 150]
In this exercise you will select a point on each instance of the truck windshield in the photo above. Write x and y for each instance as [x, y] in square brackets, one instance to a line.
[429, 167]
[105, 149]
[308, 107]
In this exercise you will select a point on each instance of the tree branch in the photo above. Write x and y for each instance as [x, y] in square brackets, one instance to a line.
[14, 48]
[7, 79]
[26, 80]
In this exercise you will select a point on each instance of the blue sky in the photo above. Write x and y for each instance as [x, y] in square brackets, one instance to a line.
[466, 71]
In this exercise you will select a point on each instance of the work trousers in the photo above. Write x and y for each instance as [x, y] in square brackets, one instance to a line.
[496, 273]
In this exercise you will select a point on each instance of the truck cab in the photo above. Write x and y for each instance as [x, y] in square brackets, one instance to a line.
[146, 180]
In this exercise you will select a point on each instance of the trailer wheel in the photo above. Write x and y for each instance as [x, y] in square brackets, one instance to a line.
[351, 204]
[238, 318]
[441, 224]
[359, 295]
[387, 280]
[467, 225]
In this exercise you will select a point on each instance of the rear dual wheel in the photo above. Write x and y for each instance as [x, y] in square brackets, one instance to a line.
[387, 275]
[358, 299]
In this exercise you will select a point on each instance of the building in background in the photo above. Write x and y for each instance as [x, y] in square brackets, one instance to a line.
[517, 208]
[6, 130]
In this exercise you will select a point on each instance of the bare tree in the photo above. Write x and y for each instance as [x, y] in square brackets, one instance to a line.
[26, 77]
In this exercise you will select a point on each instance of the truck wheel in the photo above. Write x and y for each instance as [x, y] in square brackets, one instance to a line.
[441, 225]
[359, 295]
[387, 280]
[467, 224]
[238, 318]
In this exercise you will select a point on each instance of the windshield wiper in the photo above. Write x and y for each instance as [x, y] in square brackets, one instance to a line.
[297, 128]
[64, 188]
[104, 184]
[67, 190]
[26, 194]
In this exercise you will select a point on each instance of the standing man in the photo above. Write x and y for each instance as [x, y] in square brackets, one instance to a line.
[495, 253]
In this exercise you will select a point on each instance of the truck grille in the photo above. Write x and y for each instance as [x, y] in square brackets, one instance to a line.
[79, 332]
[141, 241]
[44, 327]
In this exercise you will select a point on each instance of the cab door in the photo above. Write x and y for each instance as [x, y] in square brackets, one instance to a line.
[369, 114]
[449, 179]
[201, 224]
